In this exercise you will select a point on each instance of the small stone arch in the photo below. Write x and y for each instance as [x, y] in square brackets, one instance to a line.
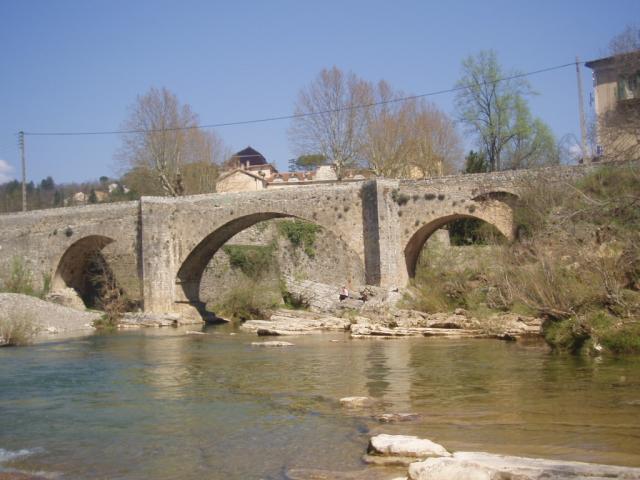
[416, 242]
[73, 269]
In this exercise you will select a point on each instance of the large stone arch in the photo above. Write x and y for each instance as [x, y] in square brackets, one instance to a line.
[416, 242]
[191, 269]
[72, 270]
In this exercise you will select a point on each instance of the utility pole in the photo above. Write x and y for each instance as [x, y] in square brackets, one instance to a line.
[24, 171]
[583, 126]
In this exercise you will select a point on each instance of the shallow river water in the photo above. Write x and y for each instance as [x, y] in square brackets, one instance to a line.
[161, 404]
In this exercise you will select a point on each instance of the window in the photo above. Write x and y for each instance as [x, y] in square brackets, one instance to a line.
[629, 86]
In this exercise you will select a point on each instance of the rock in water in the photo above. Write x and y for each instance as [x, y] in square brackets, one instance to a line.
[487, 466]
[271, 344]
[396, 417]
[357, 402]
[405, 446]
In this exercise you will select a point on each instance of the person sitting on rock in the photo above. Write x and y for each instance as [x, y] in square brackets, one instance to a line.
[344, 293]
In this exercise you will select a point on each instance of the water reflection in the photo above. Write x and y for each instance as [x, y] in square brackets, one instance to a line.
[162, 404]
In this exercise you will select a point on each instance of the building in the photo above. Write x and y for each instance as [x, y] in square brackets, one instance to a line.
[616, 98]
[249, 171]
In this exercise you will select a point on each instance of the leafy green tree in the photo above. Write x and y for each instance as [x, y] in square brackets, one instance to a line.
[494, 108]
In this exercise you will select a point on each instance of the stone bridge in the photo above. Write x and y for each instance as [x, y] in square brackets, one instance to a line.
[158, 248]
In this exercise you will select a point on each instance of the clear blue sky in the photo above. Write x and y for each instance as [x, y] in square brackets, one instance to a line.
[78, 65]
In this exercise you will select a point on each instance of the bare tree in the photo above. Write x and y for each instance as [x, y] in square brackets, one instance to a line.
[436, 146]
[165, 137]
[335, 128]
[408, 138]
[389, 133]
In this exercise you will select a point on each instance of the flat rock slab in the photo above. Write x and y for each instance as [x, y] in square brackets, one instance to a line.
[368, 474]
[487, 466]
[271, 344]
[145, 319]
[295, 323]
[405, 446]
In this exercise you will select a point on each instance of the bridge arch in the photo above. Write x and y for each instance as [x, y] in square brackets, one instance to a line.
[77, 264]
[419, 238]
[191, 270]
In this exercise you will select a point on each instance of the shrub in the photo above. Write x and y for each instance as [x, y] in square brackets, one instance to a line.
[252, 260]
[16, 330]
[108, 296]
[400, 198]
[300, 234]
[249, 300]
[20, 279]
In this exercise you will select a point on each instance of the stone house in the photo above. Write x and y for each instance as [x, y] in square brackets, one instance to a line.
[248, 171]
[616, 98]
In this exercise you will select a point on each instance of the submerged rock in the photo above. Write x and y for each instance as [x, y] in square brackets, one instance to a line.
[271, 344]
[481, 466]
[396, 417]
[357, 402]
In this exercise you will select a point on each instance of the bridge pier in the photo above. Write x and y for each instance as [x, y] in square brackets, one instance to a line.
[383, 250]
[157, 250]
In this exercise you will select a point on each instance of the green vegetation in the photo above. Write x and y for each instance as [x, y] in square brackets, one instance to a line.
[20, 280]
[250, 299]
[301, 234]
[252, 260]
[16, 330]
[575, 262]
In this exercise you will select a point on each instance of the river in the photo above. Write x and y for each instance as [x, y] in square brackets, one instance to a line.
[161, 404]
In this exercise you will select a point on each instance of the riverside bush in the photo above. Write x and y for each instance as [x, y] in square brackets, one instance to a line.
[16, 330]
[250, 299]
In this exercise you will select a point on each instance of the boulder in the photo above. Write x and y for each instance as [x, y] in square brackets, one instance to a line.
[405, 446]
[66, 297]
[45, 317]
[487, 466]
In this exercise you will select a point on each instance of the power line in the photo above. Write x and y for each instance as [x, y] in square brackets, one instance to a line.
[307, 114]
